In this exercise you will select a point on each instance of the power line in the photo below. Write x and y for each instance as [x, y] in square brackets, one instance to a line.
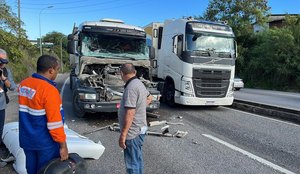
[92, 11]
[74, 7]
[69, 2]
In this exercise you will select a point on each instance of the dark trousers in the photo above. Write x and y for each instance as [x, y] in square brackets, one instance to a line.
[36, 159]
[2, 121]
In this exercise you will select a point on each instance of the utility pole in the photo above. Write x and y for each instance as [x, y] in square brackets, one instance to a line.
[41, 44]
[19, 16]
[61, 57]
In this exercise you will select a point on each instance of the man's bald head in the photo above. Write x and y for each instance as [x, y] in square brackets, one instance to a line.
[128, 68]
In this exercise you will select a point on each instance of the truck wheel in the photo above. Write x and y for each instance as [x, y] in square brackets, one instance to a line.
[76, 109]
[169, 93]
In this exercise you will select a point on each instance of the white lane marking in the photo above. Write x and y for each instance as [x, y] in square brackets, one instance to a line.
[250, 155]
[265, 117]
[63, 88]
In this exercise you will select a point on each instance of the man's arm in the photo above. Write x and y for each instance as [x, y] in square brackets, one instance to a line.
[129, 115]
[149, 99]
[55, 123]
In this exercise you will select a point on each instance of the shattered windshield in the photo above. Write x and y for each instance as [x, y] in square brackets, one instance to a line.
[211, 44]
[114, 46]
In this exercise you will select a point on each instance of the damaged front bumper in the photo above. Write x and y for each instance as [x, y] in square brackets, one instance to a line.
[93, 107]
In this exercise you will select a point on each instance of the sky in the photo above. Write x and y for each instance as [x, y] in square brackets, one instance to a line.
[61, 15]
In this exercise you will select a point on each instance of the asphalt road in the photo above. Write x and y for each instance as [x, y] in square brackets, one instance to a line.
[275, 98]
[219, 140]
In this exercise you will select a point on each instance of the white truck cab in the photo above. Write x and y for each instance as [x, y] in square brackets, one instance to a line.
[194, 61]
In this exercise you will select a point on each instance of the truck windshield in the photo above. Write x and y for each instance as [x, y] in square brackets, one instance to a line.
[220, 46]
[112, 46]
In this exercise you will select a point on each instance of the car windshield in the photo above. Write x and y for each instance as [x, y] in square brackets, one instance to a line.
[218, 45]
[108, 46]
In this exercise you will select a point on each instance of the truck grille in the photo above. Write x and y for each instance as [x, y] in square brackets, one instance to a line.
[210, 83]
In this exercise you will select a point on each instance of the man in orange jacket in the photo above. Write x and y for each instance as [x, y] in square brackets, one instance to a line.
[41, 116]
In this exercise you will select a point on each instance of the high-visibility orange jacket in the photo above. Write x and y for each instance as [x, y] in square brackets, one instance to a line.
[41, 114]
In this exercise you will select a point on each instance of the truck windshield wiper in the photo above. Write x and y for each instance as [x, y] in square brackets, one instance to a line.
[202, 53]
[224, 54]
[214, 60]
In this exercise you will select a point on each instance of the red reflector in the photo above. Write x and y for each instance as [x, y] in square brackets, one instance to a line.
[118, 105]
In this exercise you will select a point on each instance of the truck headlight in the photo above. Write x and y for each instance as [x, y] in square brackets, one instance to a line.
[188, 86]
[87, 96]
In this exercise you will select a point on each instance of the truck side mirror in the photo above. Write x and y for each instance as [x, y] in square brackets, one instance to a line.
[175, 40]
[71, 47]
[151, 52]
[178, 45]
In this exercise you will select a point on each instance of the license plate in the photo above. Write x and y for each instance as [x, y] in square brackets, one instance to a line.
[209, 102]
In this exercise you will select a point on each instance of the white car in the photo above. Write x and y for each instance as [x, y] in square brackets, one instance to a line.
[238, 84]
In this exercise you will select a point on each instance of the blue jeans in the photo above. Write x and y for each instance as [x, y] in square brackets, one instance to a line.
[2, 121]
[133, 155]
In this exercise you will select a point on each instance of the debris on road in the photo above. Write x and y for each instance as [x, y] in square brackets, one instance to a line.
[195, 142]
[165, 127]
[164, 130]
[101, 128]
[165, 133]
[152, 115]
[157, 123]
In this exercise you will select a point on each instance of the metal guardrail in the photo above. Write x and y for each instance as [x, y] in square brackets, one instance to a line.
[287, 114]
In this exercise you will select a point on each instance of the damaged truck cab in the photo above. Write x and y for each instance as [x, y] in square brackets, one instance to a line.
[97, 50]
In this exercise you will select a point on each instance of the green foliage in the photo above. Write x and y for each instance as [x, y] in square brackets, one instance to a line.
[239, 14]
[60, 45]
[273, 62]
[8, 20]
[20, 52]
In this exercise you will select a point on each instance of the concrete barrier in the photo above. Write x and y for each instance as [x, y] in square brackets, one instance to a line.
[268, 110]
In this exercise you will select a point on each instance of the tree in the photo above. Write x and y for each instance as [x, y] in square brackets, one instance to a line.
[56, 38]
[274, 61]
[8, 20]
[13, 39]
[240, 14]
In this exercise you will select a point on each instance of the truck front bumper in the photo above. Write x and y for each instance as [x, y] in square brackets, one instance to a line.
[93, 107]
[195, 101]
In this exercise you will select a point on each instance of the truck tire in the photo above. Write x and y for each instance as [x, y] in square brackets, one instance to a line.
[76, 109]
[169, 93]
